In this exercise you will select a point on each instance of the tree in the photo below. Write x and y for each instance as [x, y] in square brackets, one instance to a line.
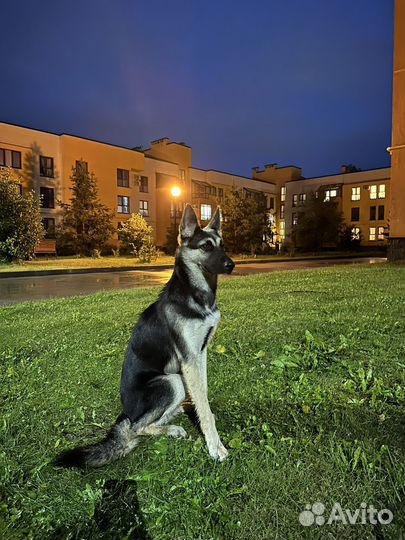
[319, 222]
[86, 222]
[245, 221]
[21, 228]
[136, 235]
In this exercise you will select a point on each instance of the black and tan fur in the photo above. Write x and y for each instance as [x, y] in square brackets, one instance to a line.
[167, 353]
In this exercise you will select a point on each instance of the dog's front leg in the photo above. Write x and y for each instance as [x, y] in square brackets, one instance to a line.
[197, 389]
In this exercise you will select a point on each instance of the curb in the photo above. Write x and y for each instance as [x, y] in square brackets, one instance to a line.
[61, 271]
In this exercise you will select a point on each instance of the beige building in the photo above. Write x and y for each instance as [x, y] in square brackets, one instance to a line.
[132, 180]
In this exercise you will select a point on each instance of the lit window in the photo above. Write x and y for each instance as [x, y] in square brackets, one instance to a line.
[355, 193]
[282, 194]
[144, 208]
[122, 177]
[373, 192]
[330, 194]
[123, 204]
[355, 233]
[381, 235]
[282, 229]
[381, 191]
[295, 200]
[303, 197]
[205, 212]
[372, 233]
[294, 219]
[282, 211]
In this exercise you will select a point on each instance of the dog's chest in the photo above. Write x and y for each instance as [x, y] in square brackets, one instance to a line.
[197, 333]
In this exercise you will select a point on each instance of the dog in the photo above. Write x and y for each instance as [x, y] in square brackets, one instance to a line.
[167, 354]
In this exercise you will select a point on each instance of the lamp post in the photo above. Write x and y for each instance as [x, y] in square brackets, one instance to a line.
[176, 192]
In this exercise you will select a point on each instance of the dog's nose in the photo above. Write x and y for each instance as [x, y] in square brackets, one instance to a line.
[229, 265]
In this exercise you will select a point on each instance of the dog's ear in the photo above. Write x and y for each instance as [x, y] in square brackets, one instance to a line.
[215, 223]
[189, 222]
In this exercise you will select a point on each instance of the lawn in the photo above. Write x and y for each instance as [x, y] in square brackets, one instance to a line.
[307, 382]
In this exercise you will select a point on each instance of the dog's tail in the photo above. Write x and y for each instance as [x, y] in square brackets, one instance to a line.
[120, 440]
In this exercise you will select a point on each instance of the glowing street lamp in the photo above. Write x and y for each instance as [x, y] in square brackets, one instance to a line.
[176, 191]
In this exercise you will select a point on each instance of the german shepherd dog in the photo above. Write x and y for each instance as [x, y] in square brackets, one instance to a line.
[167, 353]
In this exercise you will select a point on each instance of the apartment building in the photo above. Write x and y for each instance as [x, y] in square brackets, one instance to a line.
[360, 195]
[142, 180]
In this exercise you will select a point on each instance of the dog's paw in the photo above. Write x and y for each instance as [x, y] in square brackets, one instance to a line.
[177, 432]
[219, 452]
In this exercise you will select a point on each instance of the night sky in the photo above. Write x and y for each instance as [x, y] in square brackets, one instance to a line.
[244, 83]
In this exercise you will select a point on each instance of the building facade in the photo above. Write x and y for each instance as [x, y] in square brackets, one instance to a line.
[132, 180]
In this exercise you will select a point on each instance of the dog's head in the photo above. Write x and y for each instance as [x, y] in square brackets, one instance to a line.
[204, 246]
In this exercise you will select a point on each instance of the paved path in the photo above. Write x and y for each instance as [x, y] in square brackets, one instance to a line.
[22, 289]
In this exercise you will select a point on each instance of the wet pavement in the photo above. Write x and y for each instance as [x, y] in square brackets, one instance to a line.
[21, 289]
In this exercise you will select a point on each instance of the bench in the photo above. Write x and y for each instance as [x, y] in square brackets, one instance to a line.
[47, 246]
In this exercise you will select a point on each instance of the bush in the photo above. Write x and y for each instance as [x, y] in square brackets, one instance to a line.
[136, 236]
[21, 228]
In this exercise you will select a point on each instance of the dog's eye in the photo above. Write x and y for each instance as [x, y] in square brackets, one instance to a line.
[208, 246]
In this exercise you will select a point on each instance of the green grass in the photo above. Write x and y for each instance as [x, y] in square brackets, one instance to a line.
[73, 263]
[307, 382]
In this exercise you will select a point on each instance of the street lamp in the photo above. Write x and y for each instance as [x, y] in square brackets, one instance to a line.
[176, 192]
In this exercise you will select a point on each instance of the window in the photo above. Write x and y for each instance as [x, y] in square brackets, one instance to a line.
[355, 193]
[15, 159]
[122, 177]
[372, 233]
[49, 226]
[330, 194]
[46, 166]
[294, 219]
[182, 174]
[202, 190]
[123, 204]
[295, 200]
[205, 212]
[82, 166]
[282, 194]
[282, 229]
[356, 213]
[373, 210]
[2, 157]
[381, 212]
[282, 211]
[272, 206]
[143, 184]
[47, 197]
[381, 191]
[355, 233]
[302, 197]
[144, 208]
[381, 235]
[373, 192]
[220, 193]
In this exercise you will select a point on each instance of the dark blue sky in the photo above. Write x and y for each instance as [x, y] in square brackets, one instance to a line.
[243, 82]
